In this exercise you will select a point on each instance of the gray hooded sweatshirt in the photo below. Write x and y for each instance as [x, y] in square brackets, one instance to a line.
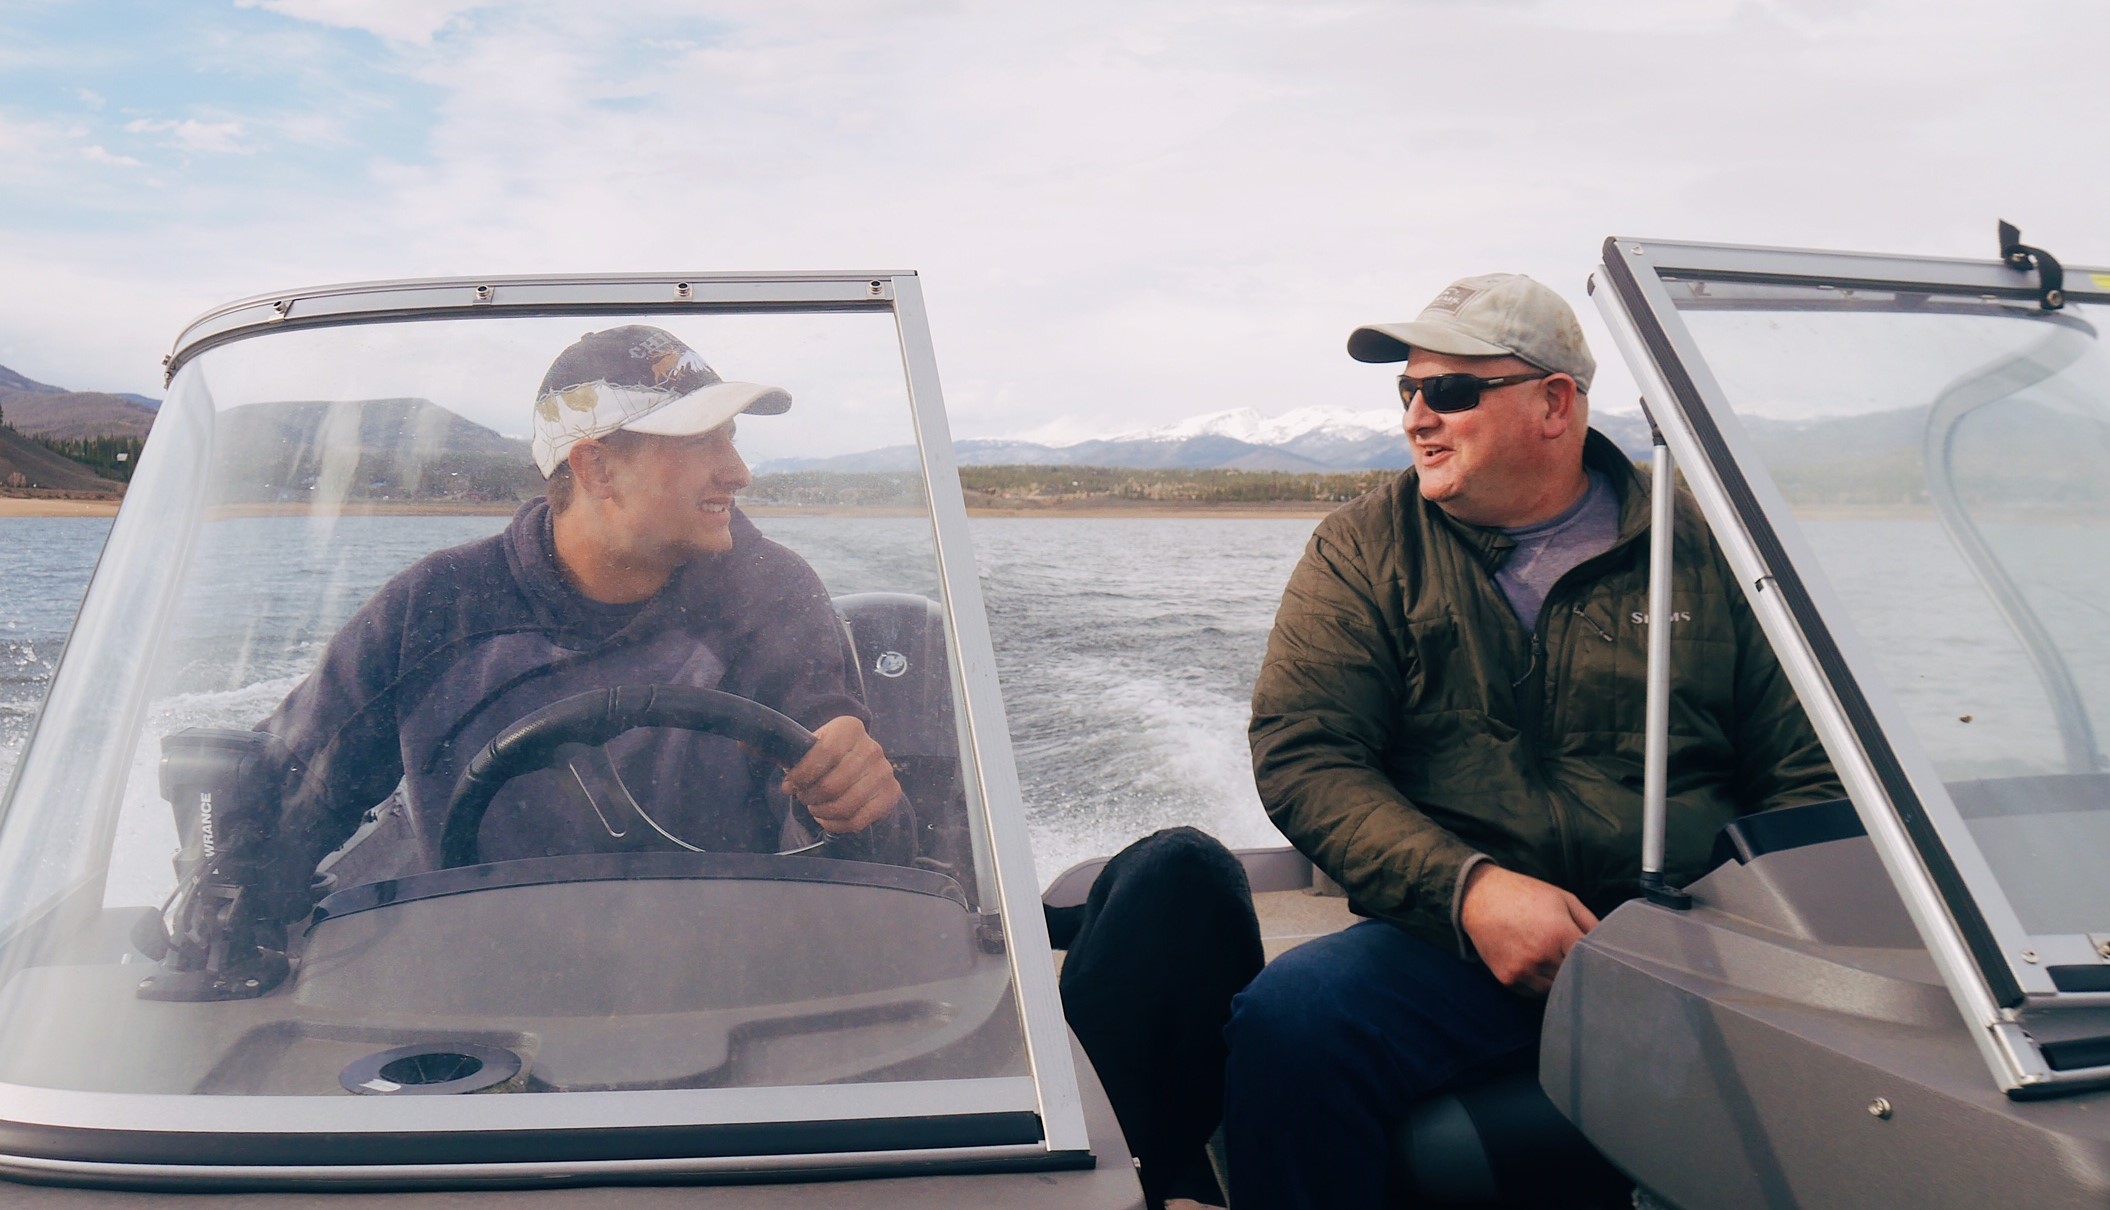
[472, 638]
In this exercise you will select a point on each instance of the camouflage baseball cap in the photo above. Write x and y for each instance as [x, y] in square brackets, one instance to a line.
[640, 379]
[1496, 315]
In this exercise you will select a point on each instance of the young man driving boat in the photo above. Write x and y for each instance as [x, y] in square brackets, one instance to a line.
[1449, 724]
[635, 568]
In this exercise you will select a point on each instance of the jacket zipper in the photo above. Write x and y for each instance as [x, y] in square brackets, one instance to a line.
[1555, 797]
[1542, 704]
[1533, 703]
[1602, 633]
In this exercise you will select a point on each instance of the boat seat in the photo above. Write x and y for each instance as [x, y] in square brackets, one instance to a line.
[1753, 836]
[906, 682]
[1501, 1143]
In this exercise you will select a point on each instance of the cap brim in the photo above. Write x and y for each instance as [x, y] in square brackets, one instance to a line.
[1396, 342]
[700, 411]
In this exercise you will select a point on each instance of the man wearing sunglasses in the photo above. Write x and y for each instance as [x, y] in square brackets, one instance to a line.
[1449, 723]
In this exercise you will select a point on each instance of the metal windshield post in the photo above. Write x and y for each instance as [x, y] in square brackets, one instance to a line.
[1655, 755]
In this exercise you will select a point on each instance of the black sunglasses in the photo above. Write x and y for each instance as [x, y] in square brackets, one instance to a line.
[1456, 392]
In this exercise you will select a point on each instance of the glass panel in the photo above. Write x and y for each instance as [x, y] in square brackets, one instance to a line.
[1948, 461]
[97, 688]
[371, 769]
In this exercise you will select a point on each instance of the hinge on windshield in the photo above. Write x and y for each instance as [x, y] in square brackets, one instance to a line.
[2051, 279]
[989, 932]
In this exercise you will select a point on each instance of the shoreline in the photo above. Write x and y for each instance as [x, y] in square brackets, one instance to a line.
[38, 507]
[49, 506]
[30, 507]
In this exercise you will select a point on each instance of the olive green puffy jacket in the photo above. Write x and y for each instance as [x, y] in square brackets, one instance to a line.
[1404, 719]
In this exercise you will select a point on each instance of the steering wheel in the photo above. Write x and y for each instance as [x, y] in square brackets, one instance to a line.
[595, 717]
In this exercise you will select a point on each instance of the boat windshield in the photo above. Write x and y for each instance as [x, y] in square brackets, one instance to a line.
[1948, 462]
[566, 706]
[1925, 471]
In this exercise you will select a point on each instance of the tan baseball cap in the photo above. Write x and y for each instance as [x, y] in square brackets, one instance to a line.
[639, 378]
[1495, 315]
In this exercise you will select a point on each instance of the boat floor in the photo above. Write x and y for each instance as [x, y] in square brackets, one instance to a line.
[1290, 918]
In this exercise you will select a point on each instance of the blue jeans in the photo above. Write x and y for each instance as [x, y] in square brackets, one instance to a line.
[1335, 1041]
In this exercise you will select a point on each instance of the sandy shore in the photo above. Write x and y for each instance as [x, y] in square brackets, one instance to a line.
[31, 506]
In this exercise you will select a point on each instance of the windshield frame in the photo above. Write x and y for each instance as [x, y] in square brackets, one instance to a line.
[1035, 1121]
[1998, 972]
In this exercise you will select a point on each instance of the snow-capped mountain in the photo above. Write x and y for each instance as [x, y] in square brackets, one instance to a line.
[1303, 439]
[1249, 426]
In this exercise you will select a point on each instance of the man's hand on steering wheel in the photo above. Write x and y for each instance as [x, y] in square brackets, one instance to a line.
[845, 780]
[839, 772]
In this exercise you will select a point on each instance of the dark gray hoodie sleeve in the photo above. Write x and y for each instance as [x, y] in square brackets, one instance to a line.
[797, 657]
[339, 724]
[770, 615]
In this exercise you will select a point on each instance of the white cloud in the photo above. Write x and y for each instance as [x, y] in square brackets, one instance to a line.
[189, 134]
[414, 21]
[90, 98]
[1131, 212]
[45, 158]
[95, 154]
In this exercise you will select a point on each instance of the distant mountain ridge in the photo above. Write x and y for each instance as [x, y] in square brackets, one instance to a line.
[11, 381]
[1250, 426]
[408, 450]
[32, 409]
[38, 409]
[74, 415]
[1305, 439]
[1310, 439]
[413, 449]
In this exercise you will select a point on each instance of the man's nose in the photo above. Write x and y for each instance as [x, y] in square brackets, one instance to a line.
[1420, 418]
[733, 473]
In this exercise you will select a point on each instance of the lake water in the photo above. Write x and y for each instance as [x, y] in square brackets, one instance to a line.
[1126, 649]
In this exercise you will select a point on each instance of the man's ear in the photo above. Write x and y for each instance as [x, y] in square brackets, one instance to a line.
[1561, 399]
[590, 468]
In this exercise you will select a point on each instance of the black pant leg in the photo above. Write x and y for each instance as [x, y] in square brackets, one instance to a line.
[1166, 938]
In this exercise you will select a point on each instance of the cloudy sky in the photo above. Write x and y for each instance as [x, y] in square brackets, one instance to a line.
[1126, 211]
